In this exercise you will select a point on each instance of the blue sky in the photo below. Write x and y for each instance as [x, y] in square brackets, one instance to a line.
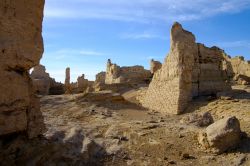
[83, 34]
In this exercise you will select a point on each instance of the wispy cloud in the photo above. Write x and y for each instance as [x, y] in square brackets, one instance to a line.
[234, 44]
[142, 10]
[70, 53]
[144, 35]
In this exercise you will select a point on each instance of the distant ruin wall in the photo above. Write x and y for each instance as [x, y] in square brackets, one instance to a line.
[83, 84]
[133, 75]
[154, 66]
[240, 66]
[67, 84]
[21, 48]
[41, 80]
[44, 84]
[189, 70]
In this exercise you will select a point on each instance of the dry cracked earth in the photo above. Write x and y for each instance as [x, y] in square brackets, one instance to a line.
[104, 129]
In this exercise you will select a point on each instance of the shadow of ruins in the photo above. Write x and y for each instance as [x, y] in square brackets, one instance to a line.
[58, 149]
[244, 146]
[202, 101]
[120, 105]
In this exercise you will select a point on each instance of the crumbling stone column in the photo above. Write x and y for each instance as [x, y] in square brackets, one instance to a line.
[68, 89]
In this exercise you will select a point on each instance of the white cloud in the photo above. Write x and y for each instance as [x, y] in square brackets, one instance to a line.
[142, 10]
[232, 44]
[145, 35]
[69, 53]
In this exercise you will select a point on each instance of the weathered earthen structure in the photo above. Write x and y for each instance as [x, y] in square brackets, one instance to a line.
[154, 66]
[189, 70]
[239, 70]
[83, 84]
[41, 80]
[99, 83]
[131, 75]
[21, 48]
[67, 85]
[56, 88]
[240, 66]
[44, 84]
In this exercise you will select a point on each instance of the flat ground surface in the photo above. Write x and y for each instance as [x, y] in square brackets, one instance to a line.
[131, 135]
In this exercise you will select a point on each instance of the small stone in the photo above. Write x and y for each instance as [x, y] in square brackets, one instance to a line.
[186, 156]
[181, 136]
[126, 157]
[150, 127]
[172, 162]
[225, 98]
[123, 138]
[236, 100]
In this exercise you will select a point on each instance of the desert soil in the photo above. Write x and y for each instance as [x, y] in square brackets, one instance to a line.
[104, 129]
[130, 135]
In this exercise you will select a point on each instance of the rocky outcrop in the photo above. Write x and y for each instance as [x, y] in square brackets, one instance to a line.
[132, 75]
[41, 80]
[190, 70]
[68, 87]
[221, 135]
[21, 48]
[154, 66]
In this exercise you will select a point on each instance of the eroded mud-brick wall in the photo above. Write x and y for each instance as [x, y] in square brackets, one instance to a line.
[21, 47]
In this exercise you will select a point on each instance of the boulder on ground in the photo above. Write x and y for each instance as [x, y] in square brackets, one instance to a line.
[221, 135]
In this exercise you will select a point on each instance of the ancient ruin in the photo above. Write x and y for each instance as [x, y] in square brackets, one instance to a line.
[154, 66]
[99, 83]
[41, 80]
[130, 75]
[44, 84]
[67, 84]
[21, 49]
[190, 70]
[83, 84]
[120, 118]
[239, 70]
[56, 88]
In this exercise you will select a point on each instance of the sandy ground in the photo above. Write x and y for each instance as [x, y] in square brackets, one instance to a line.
[130, 135]
[107, 128]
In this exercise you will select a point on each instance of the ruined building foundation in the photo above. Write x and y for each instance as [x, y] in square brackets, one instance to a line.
[189, 70]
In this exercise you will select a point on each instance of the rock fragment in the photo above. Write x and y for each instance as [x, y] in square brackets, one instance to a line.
[221, 135]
